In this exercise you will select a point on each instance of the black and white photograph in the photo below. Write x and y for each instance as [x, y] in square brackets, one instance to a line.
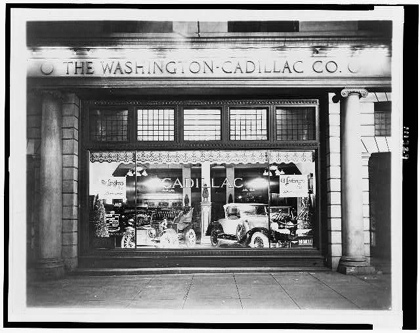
[200, 165]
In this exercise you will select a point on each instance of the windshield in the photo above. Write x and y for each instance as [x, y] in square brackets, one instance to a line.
[253, 210]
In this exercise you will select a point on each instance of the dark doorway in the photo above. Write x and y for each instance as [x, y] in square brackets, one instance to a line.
[380, 206]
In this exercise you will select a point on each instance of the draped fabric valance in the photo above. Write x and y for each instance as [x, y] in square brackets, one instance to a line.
[200, 156]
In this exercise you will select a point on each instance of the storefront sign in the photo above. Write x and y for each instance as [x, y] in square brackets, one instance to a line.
[293, 186]
[293, 62]
[190, 183]
[112, 188]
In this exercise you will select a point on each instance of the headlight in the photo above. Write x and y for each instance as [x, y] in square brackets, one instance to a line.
[274, 226]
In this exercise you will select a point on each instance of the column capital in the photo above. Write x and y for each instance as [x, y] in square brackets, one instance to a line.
[346, 92]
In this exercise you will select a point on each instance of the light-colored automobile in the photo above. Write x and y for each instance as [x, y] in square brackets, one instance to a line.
[245, 223]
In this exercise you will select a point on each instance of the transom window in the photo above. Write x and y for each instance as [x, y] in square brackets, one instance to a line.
[295, 123]
[248, 124]
[202, 124]
[213, 123]
[109, 125]
[155, 124]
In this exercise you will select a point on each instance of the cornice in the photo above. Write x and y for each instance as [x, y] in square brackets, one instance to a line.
[192, 103]
[157, 40]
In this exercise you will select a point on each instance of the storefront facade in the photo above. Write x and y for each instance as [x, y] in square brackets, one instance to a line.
[217, 149]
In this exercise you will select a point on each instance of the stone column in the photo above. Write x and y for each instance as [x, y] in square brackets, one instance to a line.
[50, 264]
[230, 175]
[353, 260]
[186, 182]
[205, 202]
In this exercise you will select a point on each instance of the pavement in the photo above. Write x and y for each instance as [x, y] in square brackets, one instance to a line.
[242, 290]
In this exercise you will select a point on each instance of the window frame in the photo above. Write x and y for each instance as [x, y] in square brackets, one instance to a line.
[384, 108]
[137, 108]
[316, 119]
[255, 107]
[208, 107]
[110, 109]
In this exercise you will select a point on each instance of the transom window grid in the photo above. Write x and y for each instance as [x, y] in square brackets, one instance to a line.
[382, 123]
[155, 124]
[109, 125]
[248, 124]
[295, 124]
[202, 124]
[254, 126]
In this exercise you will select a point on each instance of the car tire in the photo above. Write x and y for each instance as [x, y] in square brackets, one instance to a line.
[127, 241]
[190, 237]
[259, 240]
[214, 237]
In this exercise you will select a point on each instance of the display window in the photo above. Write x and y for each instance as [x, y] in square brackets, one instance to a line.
[202, 199]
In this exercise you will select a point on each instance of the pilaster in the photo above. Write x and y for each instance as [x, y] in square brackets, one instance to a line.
[50, 263]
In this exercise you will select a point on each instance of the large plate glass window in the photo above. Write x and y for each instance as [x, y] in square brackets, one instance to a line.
[202, 124]
[248, 124]
[202, 199]
[155, 124]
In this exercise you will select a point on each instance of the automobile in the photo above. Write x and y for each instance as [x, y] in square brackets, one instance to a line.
[160, 232]
[248, 225]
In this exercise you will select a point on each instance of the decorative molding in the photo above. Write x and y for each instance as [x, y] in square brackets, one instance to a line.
[112, 156]
[223, 145]
[281, 102]
[200, 156]
[346, 92]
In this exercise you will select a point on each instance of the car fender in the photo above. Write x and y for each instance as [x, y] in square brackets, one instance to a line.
[253, 231]
[212, 226]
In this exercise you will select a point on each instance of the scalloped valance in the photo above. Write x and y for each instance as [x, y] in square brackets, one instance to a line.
[200, 156]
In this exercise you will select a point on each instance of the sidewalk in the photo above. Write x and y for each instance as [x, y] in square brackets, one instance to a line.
[272, 290]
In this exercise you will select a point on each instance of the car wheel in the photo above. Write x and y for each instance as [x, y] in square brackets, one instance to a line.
[259, 240]
[169, 239]
[240, 232]
[127, 241]
[190, 238]
[214, 237]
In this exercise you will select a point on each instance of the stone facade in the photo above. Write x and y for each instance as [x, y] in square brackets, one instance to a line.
[369, 144]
